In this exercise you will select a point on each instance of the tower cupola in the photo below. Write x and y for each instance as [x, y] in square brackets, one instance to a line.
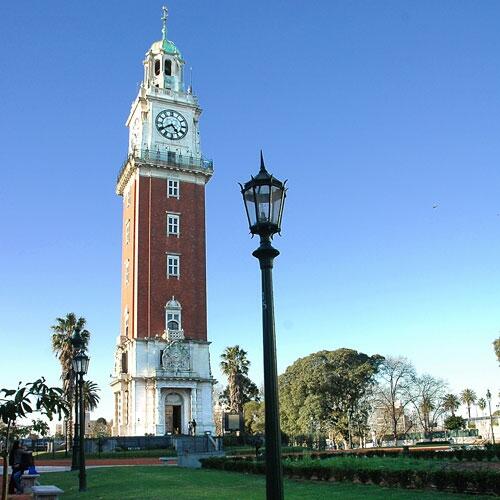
[163, 65]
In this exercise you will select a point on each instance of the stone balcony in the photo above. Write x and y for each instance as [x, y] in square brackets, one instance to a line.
[171, 335]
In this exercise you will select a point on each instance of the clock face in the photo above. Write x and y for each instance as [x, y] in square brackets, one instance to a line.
[171, 124]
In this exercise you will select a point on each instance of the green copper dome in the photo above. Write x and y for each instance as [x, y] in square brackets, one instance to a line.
[170, 48]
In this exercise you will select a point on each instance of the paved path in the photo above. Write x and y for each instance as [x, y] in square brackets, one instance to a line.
[65, 465]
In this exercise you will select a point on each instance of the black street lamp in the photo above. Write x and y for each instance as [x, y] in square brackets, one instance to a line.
[77, 344]
[264, 197]
[80, 367]
[488, 397]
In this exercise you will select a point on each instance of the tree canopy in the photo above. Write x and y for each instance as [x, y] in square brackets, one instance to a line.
[34, 397]
[392, 394]
[496, 346]
[240, 389]
[451, 403]
[325, 391]
[62, 346]
[468, 397]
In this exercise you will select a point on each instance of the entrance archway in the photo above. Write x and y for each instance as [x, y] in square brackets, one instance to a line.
[173, 413]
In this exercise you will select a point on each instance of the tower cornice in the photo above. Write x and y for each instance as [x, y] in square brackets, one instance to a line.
[159, 164]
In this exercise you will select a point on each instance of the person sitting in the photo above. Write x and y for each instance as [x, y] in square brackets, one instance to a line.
[15, 461]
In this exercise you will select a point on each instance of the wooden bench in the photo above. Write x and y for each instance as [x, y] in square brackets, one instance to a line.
[46, 492]
[28, 481]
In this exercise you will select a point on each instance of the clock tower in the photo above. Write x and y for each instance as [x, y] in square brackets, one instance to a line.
[162, 378]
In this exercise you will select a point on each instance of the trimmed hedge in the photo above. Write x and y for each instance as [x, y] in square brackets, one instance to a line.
[474, 481]
[491, 453]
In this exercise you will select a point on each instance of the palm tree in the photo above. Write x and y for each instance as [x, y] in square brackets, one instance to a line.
[481, 403]
[468, 397]
[426, 408]
[63, 349]
[234, 363]
[90, 397]
[451, 403]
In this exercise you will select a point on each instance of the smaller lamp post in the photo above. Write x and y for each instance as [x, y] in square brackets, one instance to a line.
[264, 197]
[488, 397]
[77, 344]
[80, 367]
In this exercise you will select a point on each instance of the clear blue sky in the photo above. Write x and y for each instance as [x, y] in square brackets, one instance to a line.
[374, 111]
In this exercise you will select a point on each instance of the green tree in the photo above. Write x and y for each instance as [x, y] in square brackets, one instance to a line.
[451, 403]
[496, 346]
[481, 403]
[99, 428]
[453, 423]
[63, 331]
[248, 391]
[240, 389]
[468, 398]
[91, 397]
[254, 417]
[32, 398]
[326, 388]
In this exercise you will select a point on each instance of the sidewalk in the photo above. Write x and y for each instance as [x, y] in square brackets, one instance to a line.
[65, 464]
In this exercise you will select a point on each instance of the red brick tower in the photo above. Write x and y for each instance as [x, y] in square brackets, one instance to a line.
[162, 376]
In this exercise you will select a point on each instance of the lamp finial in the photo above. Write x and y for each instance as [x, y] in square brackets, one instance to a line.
[262, 166]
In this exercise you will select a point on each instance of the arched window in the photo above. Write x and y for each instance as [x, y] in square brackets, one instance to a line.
[173, 315]
[168, 67]
[157, 67]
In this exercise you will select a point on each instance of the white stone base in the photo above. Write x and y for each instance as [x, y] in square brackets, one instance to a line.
[162, 374]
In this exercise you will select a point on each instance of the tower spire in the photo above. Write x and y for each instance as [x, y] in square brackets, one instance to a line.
[164, 21]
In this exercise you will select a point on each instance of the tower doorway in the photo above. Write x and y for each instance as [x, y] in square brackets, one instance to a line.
[173, 413]
[173, 419]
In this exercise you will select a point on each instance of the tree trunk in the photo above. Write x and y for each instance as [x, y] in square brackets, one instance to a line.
[5, 477]
[349, 431]
[394, 424]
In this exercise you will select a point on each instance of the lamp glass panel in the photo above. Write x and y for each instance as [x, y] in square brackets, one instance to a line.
[262, 194]
[85, 364]
[77, 363]
[276, 201]
[249, 199]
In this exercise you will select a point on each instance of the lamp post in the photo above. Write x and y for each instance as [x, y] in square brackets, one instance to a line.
[488, 397]
[77, 344]
[80, 367]
[264, 197]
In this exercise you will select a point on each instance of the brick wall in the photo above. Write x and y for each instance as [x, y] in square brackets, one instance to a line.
[154, 289]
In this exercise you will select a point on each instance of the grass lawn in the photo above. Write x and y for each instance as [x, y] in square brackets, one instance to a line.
[161, 482]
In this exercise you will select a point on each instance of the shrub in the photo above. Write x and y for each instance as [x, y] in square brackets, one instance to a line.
[457, 480]
[421, 479]
[363, 475]
[338, 474]
[324, 473]
[439, 478]
[391, 477]
[375, 476]
[478, 481]
[405, 478]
